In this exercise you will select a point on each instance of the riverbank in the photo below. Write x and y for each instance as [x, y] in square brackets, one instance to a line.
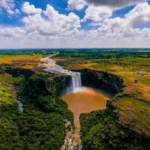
[125, 114]
[86, 100]
[72, 139]
[81, 100]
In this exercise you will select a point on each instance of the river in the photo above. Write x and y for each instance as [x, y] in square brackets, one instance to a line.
[85, 100]
[79, 99]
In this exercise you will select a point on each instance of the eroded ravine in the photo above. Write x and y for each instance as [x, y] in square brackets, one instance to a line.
[84, 100]
[79, 99]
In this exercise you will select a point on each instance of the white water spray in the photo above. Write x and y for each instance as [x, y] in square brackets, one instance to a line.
[76, 80]
[50, 66]
[20, 105]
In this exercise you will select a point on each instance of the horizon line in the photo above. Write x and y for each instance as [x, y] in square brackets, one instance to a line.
[73, 48]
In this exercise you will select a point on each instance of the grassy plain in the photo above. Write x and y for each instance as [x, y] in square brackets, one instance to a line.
[26, 61]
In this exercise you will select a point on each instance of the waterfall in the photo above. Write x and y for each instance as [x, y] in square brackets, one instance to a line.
[20, 106]
[51, 66]
[76, 80]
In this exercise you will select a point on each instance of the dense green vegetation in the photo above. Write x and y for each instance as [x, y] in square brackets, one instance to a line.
[101, 132]
[125, 125]
[41, 126]
[104, 53]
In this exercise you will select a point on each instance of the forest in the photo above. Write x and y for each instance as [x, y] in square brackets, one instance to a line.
[41, 125]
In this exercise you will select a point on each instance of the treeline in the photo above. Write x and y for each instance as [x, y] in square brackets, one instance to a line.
[25, 51]
[104, 54]
[41, 126]
[83, 53]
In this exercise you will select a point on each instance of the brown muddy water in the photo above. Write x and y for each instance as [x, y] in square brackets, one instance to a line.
[86, 100]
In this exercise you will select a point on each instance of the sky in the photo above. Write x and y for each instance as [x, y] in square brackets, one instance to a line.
[74, 24]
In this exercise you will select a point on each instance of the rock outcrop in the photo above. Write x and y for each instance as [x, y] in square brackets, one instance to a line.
[101, 79]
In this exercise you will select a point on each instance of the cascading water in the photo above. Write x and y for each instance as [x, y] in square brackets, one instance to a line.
[50, 66]
[76, 80]
[75, 86]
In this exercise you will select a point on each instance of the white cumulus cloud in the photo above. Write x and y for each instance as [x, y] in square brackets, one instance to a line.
[49, 28]
[97, 13]
[13, 32]
[8, 5]
[76, 4]
[30, 9]
[52, 23]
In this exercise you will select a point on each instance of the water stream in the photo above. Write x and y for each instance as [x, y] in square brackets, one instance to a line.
[76, 81]
[51, 66]
[79, 99]
[20, 105]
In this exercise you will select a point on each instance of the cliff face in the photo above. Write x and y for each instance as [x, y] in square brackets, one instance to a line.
[58, 84]
[15, 72]
[104, 129]
[101, 79]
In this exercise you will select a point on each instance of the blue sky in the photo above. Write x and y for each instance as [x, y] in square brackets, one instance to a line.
[59, 5]
[70, 23]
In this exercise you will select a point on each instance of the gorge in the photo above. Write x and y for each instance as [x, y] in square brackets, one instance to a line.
[83, 99]
[60, 105]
